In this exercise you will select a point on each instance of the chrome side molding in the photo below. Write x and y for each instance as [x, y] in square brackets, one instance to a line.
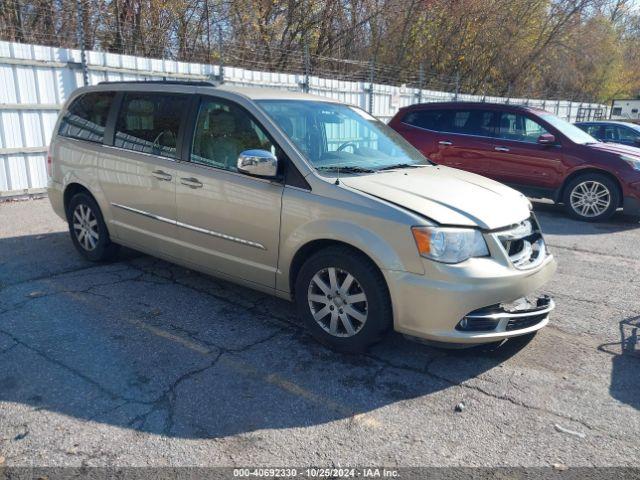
[213, 233]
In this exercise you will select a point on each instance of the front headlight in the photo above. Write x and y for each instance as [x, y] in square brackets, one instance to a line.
[449, 245]
[634, 162]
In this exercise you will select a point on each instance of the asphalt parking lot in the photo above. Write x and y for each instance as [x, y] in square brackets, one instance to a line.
[140, 362]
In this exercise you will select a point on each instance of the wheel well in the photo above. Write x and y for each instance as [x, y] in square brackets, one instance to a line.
[587, 171]
[70, 191]
[313, 247]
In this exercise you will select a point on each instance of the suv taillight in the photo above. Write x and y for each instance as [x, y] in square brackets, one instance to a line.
[49, 165]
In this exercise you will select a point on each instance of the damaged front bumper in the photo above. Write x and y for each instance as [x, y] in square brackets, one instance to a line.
[522, 314]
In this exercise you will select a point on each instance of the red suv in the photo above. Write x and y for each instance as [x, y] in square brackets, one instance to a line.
[529, 149]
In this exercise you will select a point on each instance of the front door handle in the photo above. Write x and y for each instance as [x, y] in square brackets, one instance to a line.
[191, 182]
[160, 175]
[446, 143]
[501, 149]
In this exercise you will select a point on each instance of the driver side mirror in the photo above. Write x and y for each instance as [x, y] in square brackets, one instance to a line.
[258, 163]
[546, 139]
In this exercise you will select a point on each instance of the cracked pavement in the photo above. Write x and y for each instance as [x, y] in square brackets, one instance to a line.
[140, 362]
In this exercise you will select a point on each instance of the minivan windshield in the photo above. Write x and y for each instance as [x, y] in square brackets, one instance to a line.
[337, 137]
[569, 130]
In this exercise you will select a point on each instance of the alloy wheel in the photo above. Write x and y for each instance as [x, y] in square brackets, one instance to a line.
[338, 302]
[590, 198]
[85, 227]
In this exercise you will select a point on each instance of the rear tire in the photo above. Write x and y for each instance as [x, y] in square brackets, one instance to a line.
[591, 197]
[343, 299]
[88, 230]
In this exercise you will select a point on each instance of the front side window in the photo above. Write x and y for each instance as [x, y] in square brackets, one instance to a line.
[611, 133]
[593, 130]
[513, 126]
[223, 131]
[334, 136]
[86, 118]
[150, 122]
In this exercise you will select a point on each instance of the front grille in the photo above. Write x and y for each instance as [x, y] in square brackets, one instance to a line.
[523, 244]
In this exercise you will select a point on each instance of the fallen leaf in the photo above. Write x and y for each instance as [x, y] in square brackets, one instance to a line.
[562, 429]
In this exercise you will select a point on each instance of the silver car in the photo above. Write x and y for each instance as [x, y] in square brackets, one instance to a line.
[301, 197]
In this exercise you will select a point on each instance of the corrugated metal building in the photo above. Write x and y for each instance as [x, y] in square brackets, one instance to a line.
[35, 81]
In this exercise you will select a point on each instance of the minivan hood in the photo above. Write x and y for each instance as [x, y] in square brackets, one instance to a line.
[446, 195]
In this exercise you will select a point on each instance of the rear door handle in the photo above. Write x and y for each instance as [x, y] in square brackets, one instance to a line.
[160, 175]
[191, 182]
[501, 149]
[446, 143]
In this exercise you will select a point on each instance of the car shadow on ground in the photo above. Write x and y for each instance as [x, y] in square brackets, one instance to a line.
[625, 358]
[556, 221]
[143, 344]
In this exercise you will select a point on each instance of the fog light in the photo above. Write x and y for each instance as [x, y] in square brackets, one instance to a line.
[480, 324]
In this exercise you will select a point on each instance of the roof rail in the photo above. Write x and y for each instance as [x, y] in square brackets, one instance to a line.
[196, 83]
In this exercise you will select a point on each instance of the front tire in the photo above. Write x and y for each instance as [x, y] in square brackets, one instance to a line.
[591, 197]
[88, 230]
[343, 299]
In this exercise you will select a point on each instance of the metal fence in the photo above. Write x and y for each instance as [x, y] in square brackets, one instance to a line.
[36, 80]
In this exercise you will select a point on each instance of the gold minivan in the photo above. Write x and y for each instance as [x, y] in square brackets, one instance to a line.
[305, 198]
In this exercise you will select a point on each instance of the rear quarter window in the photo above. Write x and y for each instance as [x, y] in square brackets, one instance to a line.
[86, 117]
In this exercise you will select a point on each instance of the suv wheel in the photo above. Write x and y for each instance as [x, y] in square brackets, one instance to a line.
[87, 228]
[591, 197]
[343, 299]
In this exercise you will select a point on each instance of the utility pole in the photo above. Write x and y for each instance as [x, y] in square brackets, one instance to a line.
[372, 76]
[221, 47]
[457, 85]
[307, 58]
[82, 42]
[420, 82]
[307, 65]
[206, 6]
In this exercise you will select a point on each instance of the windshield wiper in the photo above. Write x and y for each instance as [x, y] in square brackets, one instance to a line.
[399, 165]
[349, 169]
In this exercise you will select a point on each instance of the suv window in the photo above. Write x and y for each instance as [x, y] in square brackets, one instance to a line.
[86, 117]
[618, 133]
[149, 123]
[466, 122]
[472, 122]
[514, 126]
[223, 131]
[429, 119]
[593, 130]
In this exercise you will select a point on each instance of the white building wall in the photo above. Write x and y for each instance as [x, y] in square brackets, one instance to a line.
[35, 81]
[628, 109]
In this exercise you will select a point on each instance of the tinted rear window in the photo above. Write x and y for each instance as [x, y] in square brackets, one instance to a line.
[463, 121]
[150, 122]
[473, 122]
[429, 119]
[86, 118]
